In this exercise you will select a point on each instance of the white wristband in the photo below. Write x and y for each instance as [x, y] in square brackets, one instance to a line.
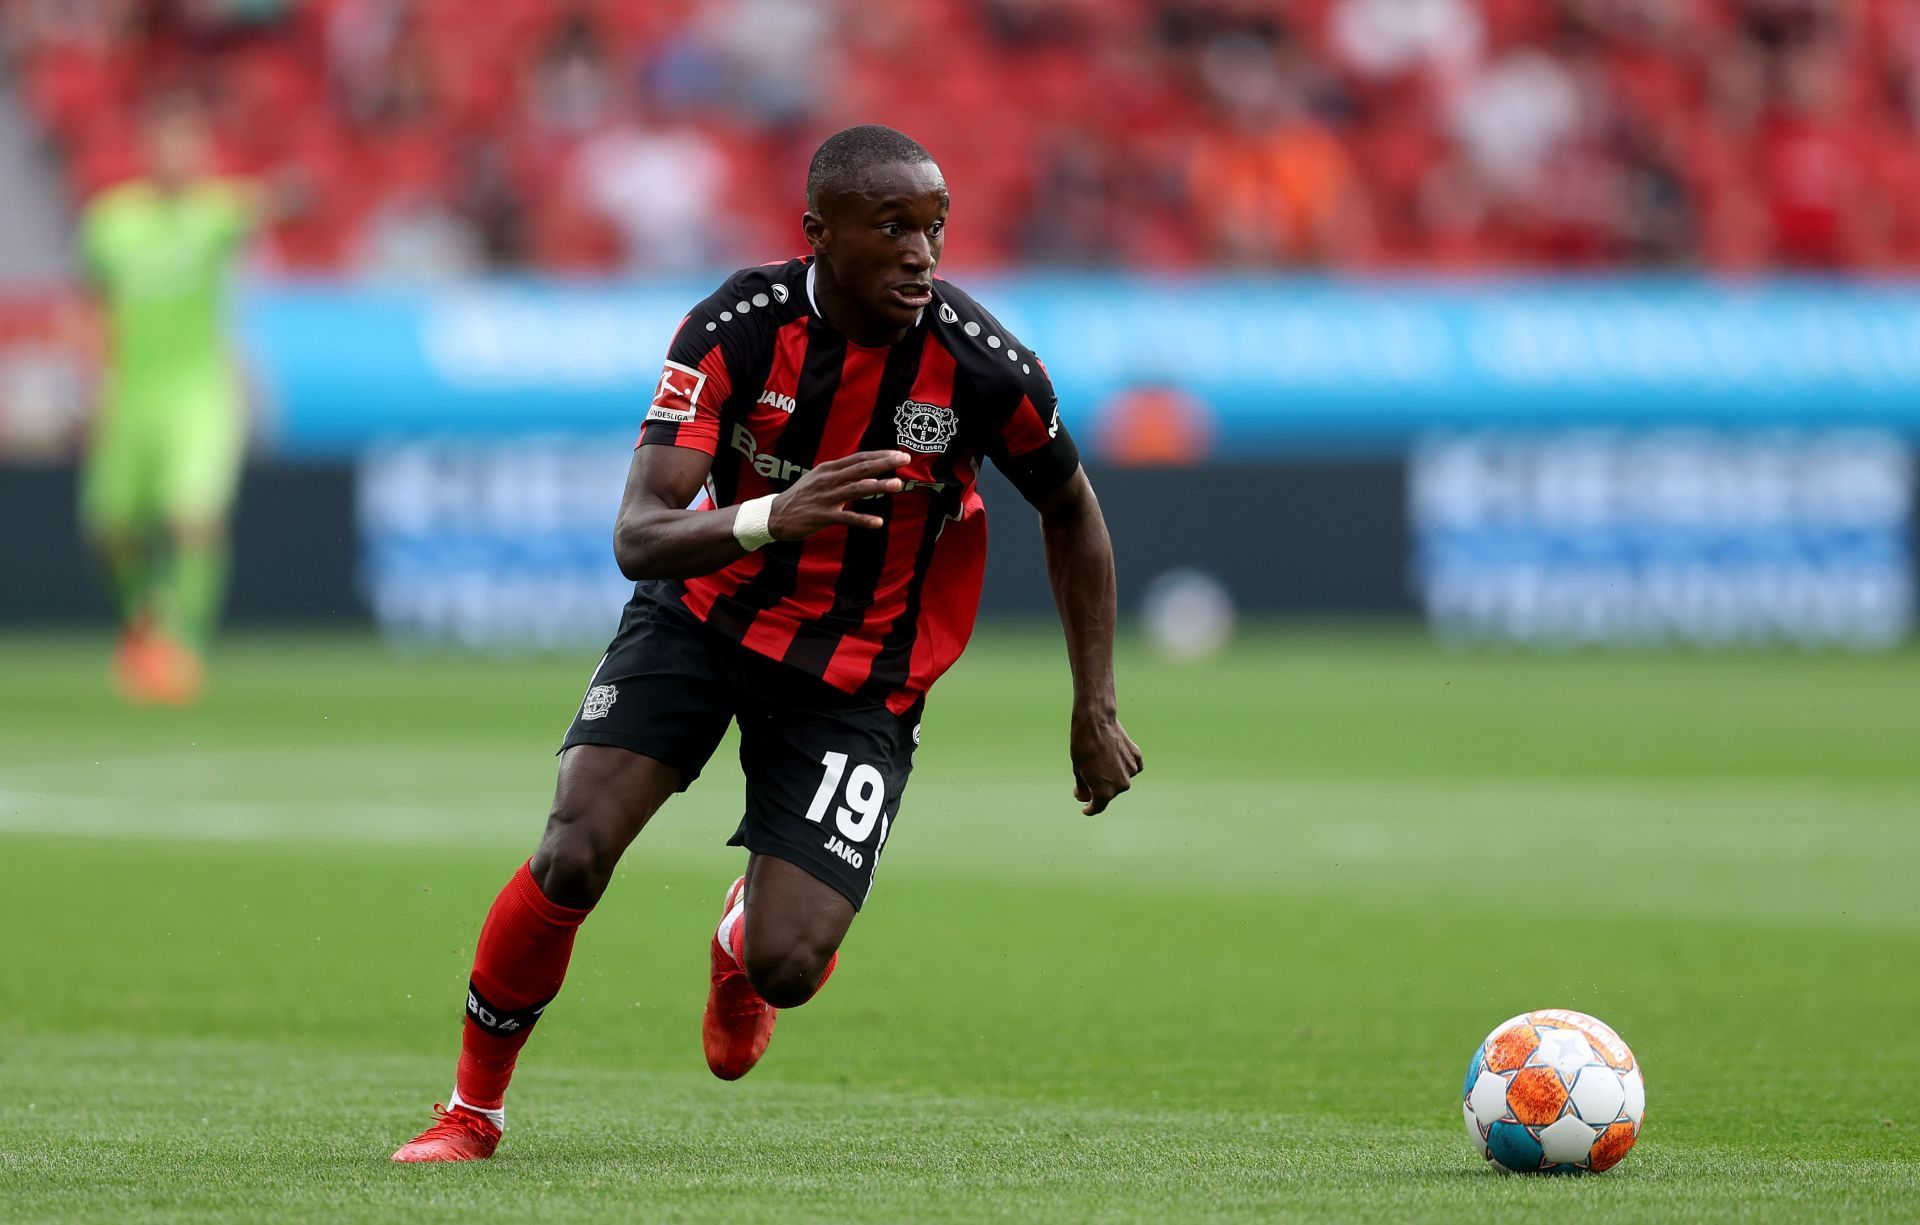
[750, 522]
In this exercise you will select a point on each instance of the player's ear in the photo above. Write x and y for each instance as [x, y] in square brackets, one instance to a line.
[815, 227]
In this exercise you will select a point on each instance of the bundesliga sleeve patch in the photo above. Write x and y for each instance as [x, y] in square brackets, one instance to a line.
[677, 397]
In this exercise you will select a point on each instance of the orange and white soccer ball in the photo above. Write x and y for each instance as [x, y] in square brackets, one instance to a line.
[1554, 1092]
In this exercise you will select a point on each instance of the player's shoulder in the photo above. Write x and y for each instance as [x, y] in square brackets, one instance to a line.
[117, 199]
[226, 191]
[983, 348]
[755, 297]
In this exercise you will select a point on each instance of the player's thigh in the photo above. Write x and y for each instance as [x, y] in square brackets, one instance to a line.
[655, 692]
[651, 718]
[824, 781]
[118, 479]
[603, 799]
[200, 471]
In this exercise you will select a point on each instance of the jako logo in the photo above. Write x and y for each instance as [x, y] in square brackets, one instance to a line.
[844, 851]
[783, 403]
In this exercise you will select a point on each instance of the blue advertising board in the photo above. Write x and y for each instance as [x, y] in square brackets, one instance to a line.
[1281, 365]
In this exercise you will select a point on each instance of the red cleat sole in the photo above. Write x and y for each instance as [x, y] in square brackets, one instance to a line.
[458, 1135]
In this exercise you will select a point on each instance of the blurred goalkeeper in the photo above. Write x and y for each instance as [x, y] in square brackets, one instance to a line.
[164, 454]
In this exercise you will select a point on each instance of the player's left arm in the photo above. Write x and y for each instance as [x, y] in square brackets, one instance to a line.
[1031, 445]
[1080, 569]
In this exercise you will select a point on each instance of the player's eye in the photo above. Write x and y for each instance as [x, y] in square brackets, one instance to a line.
[939, 227]
[891, 229]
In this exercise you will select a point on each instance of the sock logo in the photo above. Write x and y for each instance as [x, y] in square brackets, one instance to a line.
[497, 1020]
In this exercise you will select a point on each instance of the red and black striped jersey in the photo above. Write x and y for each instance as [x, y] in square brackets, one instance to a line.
[759, 380]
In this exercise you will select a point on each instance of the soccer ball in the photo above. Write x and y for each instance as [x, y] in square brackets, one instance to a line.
[1553, 1092]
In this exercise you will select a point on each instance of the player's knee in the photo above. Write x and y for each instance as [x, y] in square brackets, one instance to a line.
[197, 530]
[786, 973]
[574, 862]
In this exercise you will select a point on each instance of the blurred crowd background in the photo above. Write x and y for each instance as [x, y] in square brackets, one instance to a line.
[432, 138]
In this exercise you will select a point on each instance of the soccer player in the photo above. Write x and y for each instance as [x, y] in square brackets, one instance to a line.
[164, 454]
[836, 410]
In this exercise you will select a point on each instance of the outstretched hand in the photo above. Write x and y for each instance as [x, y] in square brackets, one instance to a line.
[1105, 759]
[819, 499]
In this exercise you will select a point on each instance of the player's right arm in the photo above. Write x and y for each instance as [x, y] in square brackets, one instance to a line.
[657, 537]
[90, 314]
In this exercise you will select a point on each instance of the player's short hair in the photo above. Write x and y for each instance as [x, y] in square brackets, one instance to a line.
[844, 155]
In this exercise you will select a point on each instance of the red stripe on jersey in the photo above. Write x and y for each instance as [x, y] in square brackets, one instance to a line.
[789, 351]
[1025, 430]
[948, 602]
[702, 591]
[853, 659]
[853, 407]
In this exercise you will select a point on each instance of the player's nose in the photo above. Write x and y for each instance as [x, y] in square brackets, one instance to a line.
[916, 254]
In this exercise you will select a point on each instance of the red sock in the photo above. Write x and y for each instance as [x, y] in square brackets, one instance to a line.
[517, 970]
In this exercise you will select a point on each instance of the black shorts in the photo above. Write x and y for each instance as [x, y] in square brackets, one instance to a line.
[825, 771]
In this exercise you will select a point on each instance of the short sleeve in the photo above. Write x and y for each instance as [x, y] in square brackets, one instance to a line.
[1028, 442]
[693, 384]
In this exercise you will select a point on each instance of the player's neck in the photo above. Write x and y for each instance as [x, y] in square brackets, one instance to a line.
[844, 315]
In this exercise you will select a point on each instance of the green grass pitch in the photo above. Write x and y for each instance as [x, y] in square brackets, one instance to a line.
[236, 939]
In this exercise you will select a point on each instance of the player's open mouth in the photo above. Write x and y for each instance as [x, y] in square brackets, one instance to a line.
[914, 294]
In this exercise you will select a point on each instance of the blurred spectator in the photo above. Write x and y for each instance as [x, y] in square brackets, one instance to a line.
[573, 90]
[484, 195]
[1274, 184]
[1810, 166]
[660, 186]
[1382, 38]
[1082, 189]
[380, 66]
[414, 236]
[1512, 116]
[776, 53]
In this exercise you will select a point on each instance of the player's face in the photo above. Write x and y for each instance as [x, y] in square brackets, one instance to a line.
[882, 240]
[176, 148]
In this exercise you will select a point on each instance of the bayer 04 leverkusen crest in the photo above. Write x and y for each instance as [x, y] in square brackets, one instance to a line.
[925, 427]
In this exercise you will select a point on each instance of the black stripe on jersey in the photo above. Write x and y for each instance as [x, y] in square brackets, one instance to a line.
[894, 661]
[745, 395]
[866, 549]
[819, 381]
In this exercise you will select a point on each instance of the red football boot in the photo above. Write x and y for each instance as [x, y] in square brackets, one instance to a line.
[153, 668]
[738, 1024]
[134, 665]
[459, 1134]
